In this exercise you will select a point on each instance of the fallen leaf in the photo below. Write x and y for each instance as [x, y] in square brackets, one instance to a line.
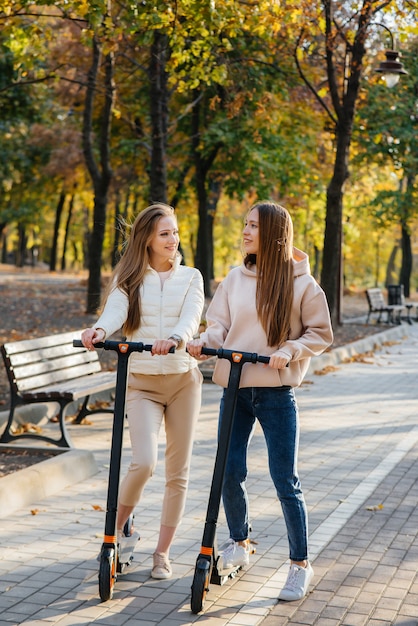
[326, 370]
[26, 428]
[84, 421]
[376, 507]
[360, 358]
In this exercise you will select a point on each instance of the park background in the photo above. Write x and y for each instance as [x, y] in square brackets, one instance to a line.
[108, 106]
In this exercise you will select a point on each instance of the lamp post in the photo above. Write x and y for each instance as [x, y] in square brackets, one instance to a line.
[391, 69]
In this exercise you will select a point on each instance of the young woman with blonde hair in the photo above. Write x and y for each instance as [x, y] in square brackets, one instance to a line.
[270, 305]
[156, 300]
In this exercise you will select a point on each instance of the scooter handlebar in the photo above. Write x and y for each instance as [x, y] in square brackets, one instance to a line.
[235, 355]
[132, 346]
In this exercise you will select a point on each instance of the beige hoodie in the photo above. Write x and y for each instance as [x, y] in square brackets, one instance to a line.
[233, 324]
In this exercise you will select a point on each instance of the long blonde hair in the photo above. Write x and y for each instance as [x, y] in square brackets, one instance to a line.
[274, 293]
[128, 275]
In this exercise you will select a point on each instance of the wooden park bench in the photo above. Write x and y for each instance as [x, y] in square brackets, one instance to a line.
[377, 305]
[50, 369]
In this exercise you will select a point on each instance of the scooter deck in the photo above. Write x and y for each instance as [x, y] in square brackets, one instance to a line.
[218, 576]
[126, 554]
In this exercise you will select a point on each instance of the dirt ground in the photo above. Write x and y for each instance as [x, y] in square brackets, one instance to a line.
[14, 459]
[34, 303]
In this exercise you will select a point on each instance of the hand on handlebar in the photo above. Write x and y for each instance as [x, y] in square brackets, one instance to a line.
[91, 336]
[197, 348]
[278, 362]
[163, 346]
[194, 348]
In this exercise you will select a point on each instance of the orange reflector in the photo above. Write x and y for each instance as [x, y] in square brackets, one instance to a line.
[109, 539]
[123, 347]
[236, 357]
[207, 551]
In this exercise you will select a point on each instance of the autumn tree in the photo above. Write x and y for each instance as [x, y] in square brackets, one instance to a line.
[388, 136]
[338, 46]
[20, 108]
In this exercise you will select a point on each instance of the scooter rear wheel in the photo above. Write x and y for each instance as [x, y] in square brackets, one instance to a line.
[200, 587]
[107, 575]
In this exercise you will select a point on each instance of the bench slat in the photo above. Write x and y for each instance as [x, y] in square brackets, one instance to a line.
[54, 377]
[42, 342]
[75, 389]
[61, 369]
[55, 352]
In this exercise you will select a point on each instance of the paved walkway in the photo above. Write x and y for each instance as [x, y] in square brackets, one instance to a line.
[359, 468]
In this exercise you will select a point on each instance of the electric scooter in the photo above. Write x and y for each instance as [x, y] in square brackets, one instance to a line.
[206, 570]
[114, 558]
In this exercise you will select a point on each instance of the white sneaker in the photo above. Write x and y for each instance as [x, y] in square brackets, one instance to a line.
[161, 566]
[297, 582]
[234, 555]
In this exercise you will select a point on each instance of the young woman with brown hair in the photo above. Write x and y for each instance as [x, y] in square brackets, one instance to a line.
[156, 300]
[270, 305]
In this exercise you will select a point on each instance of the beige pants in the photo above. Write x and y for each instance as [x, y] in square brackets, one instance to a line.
[176, 399]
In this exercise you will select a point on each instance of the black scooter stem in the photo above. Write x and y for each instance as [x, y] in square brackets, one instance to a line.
[237, 360]
[123, 349]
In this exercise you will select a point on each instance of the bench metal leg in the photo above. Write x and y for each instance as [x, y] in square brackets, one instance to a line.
[63, 442]
[84, 411]
[408, 313]
[7, 434]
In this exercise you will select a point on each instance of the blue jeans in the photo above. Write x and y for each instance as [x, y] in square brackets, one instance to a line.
[277, 412]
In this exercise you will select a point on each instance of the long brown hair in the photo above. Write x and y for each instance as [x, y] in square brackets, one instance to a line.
[129, 272]
[274, 293]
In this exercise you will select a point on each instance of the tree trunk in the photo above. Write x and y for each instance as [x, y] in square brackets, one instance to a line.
[86, 239]
[316, 263]
[331, 275]
[390, 268]
[215, 190]
[95, 253]
[22, 246]
[159, 117]
[407, 257]
[101, 178]
[207, 202]
[180, 186]
[203, 255]
[67, 232]
[406, 266]
[344, 106]
[54, 247]
[3, 242]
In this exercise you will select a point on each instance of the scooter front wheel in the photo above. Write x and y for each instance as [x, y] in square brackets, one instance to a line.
[107, 574]
[200, 585]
